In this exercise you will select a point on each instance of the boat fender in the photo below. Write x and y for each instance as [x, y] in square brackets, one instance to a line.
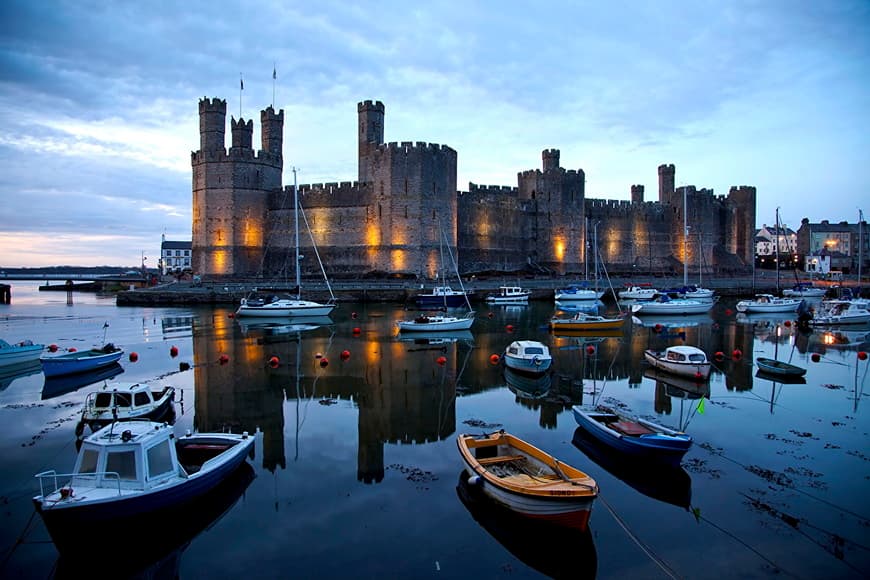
[475, 480]
[537, 360]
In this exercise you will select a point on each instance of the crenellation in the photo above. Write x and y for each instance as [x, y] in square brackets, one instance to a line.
[390, 219]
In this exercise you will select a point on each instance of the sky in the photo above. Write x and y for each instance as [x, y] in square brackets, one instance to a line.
[99, 102]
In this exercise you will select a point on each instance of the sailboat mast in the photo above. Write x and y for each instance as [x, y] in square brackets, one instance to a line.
[586, 249]
[296, 226]
[860, 247]
[777, 250]
[685, 239]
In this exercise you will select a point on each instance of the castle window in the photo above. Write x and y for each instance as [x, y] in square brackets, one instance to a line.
[406, 212]
[380, 211]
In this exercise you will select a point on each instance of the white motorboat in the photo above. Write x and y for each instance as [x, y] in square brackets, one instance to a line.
[804, 290]
[126, 471]
[768, 303]
[638, 292]
[528, 356]
[21, 352]
[125, 402]
[687, 361]
[665, 305]
[508, 295]
[437, 322]
[837, 312]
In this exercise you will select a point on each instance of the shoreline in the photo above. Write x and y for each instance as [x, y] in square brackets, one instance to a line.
[403, 291]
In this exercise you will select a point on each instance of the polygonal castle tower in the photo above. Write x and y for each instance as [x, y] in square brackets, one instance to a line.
[231, 188]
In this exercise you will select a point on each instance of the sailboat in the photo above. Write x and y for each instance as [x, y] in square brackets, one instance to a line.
[275, 306]
[693, 300]
[442, 322]
[443, 295]
[690, 291]
[583, 292]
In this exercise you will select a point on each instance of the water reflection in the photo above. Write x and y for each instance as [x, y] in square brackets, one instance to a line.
[63, 384]
[154, 545]
[555, 551]
[9, 373]
[658, 480]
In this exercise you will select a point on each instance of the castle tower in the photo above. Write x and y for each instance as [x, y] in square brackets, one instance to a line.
[740, 228]
[243, 133]
[272, 131]
[212, 124]
[667, 176]
[551, 159]
[636, 194]
[230, 194]
[371, 135]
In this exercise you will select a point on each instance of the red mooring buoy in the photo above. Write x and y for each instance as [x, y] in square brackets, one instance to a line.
[493, 359]
[173, 351]
[816, 357]
[133, 357]
[441, 360]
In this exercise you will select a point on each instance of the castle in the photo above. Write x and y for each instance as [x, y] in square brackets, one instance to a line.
[390, 221]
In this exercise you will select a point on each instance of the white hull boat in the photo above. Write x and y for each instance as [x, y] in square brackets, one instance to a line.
[283, 307]
[687, 361]
[529, 356]
[436, 323]
[22, 352]
[673, 306]
[768, 303]
[837, 312]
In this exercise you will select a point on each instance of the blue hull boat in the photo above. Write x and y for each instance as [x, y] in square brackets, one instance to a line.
[633, 436]
[80, 361]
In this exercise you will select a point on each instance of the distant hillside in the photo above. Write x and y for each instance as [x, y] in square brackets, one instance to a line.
[63, 270]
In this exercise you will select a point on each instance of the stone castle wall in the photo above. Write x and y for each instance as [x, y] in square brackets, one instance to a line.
[395, 218]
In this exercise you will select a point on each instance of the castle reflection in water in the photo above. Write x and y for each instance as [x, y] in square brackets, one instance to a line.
[403, 398]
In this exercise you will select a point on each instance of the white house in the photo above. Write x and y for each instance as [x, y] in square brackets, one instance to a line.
[174, 256]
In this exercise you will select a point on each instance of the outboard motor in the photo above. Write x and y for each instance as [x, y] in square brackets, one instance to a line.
[804, 315]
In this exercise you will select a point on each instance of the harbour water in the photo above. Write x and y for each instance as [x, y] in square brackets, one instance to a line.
[356, 471]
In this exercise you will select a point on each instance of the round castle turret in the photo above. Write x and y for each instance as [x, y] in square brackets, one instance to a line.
[371, 135]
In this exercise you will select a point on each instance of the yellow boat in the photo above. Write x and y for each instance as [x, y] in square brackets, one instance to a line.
[584, 321]
[525, 479]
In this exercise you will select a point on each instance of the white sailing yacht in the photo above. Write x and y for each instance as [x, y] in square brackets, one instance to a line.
[583, 292]
[439, 322]
[290, 307]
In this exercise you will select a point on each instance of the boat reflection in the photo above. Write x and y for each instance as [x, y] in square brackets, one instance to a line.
[280, 327]
[10, 373]
[588, 306]
[781, 379]
[153, 547]
[764, 319]
[678, 387]
[657, 480]
[437, 338]
[682, 321]
[527, 386]
[839, 339]
[63, 384]
[555, 551]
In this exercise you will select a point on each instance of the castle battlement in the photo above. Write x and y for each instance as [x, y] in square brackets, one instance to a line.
[370, 106]
[476, 189]
[408, 147]
[235, 154]
[212, 105]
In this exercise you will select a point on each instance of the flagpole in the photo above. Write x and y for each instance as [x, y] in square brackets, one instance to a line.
[274, 76]
[241, 88]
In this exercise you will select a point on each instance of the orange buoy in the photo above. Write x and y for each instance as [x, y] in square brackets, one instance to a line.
[356, 329]
[323, 362]
[816, 357]
[736, 354]
[441, 360]
[173, 351]
[493, 359]
[274, 361]
[719, 356]
[509, 327]
[862, 355]
[224, 359]
[134, 357]
[345, 354]
[52, 348]
[590, 349]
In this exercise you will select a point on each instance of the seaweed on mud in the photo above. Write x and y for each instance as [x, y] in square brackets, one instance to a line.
[806, 434]
[481, 424]
[833, 387]
[771, 476]
[696, 465]
[858, 454]
[415, 474]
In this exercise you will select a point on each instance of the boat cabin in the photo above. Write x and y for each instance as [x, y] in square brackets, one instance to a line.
[510, 292]
[683, 355]
[130, 455]
[527, 349]
[123, 397]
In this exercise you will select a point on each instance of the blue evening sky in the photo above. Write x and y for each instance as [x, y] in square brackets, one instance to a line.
[98, 102]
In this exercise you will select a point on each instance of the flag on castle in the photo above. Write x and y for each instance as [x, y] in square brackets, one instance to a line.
[274, 73]
[241, 85]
